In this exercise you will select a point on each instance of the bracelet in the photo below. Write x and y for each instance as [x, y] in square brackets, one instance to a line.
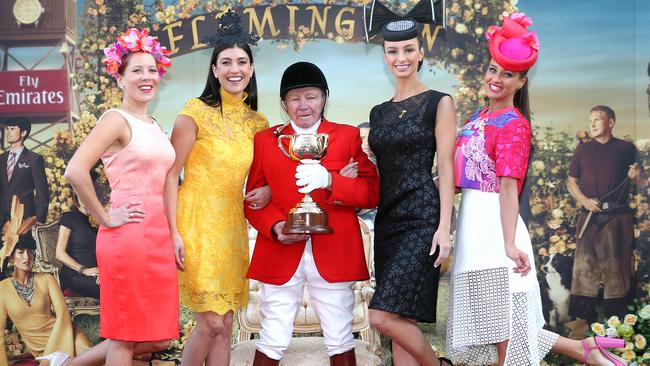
[81, 269]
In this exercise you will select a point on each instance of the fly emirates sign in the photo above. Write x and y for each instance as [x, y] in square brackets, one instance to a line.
[34, 91]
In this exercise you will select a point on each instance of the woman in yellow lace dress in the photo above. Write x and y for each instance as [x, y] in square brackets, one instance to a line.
[213, 138]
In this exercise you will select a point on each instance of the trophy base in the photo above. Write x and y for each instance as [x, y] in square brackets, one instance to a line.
[301, 222]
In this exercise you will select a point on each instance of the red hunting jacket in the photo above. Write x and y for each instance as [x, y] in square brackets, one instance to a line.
[339, 256]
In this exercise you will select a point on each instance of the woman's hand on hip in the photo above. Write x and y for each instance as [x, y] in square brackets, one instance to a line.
[125, 214]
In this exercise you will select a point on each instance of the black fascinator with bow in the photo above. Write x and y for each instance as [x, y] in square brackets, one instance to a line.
[229, 30]
[394, 27]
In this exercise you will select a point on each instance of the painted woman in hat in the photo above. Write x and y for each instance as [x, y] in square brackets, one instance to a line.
[414, 217]
[213, 138]
[327, 263]
[495, 310]
[28, 297]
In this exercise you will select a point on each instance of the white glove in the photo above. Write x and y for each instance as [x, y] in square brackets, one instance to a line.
[311, 177]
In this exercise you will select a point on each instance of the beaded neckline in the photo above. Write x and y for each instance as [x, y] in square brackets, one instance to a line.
[26, 292]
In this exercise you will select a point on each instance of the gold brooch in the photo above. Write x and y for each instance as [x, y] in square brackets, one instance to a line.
[402, 114]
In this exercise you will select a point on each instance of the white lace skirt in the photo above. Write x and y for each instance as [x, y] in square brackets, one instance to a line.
[489, 303]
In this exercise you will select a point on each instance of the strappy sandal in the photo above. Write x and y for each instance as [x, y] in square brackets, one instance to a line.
[602, 344]
[447, 362]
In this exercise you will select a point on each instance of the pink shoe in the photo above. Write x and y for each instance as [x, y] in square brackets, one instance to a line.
[602, 343]
[55, 359]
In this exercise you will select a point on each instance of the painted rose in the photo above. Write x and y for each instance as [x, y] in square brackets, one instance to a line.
[625, 330]
[598, 329]
[614, 321]
[611, 332]
[640, 341]
[630, 319]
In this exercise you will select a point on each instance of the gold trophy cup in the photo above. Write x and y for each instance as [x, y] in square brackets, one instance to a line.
[306, 217]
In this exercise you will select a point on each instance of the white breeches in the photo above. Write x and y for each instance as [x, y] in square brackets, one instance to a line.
[333, 303]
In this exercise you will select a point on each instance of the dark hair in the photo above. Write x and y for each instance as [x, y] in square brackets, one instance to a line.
[25, 241]
[210, 95]
[22, 123]
[521, 97]
[420, 45]
[125, 61]
[363, 125]
[605, 109]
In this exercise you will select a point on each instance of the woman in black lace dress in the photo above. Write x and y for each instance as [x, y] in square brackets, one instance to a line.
[413, 218]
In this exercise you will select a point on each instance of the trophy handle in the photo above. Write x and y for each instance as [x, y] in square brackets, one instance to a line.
[282, 146]
[322, 140]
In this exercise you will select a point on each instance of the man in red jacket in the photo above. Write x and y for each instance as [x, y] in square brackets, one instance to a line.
[327, 263]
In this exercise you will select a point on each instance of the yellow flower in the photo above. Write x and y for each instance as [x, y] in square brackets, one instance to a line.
[598, 329]
[554, 224]
[560, 246]
[629, 355]
[640, 341]
[646, 355]
[613, 322]
[630, 319]
[461, 28]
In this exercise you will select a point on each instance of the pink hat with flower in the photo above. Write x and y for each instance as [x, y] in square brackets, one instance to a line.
[512, 46]
[134, 40]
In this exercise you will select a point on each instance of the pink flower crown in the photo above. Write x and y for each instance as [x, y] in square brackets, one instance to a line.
[134, 40]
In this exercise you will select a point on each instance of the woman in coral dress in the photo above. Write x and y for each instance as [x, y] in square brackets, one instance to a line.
[213, 139]
[138, 292]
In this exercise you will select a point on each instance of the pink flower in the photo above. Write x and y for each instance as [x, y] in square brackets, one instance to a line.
[522, 19]
[531, 39]
[490, 32]
[148, 44]
[113, 53]
[130, 39]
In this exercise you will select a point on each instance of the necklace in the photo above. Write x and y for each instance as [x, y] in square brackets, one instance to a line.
[25, 291]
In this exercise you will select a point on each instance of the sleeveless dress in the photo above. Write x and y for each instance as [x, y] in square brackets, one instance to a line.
[490, 303]
[137, 270]
[403, 140]
[210, 213]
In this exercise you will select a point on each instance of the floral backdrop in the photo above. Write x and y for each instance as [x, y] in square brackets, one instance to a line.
[553, 211]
